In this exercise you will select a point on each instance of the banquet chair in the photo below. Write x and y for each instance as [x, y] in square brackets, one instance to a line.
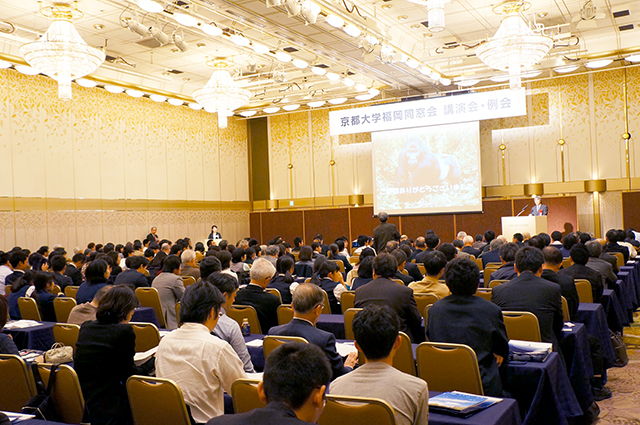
[566, 262]
[149, 297]
[403, 359]
[244, 393]
[347, 300]
[496, 282]
[271, 342]
[29, 309]
[241, 312]
[66, 333]
[565, 310]
[423, 300]
[178, 304]
[7, 290]
[354, 259]
[449, 367]
[327, 307]
[340, 265]
[66, 393]
[156, 401]
[423, 271]
[399, 281]
[489, 268]
[583, 286]
[285, 314]
[483, 293]
[56, 289]
[71, 291]
[619, 257]
[522, 325]
[275, 292]
[348, 321]
[478, 262]
[356, 411]
[425, 315]
[147, 336]
[15, 375]
[188, 280]
[63, 306]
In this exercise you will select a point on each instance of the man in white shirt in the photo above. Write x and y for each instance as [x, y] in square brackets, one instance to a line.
[202, 365]
[5, 270]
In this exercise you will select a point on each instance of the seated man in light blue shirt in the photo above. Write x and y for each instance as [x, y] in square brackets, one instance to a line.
[228, 329]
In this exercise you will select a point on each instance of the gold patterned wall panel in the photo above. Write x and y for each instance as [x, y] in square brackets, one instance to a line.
[7, 230]
[321, 153]
[194, 165]
[584, 208]
[28, 152]
[211, 159]
[86, 163]
[58, 148]
[611, 210]
[279, 157]
[135, 164]
[301, 153]
[609, 123]
[112, 176]
[6, 170]
[176, 177]
[633, 96]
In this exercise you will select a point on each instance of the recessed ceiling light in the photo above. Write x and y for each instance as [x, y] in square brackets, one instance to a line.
[175, 50]
[113, 89]
[360, 87]
[542, 15]
[316, 103]
[364, 97]
[467, 83]
[299, 63]
[334, 21]
[348, 82]
[260, 49]
[291, 107]
[26, 70]
[333, 76]
[283, 56]
[566, 69]
[386, 6]
[239, 40]
[201, 45]
[318, 71]
[134, 93]
[601, 63]
[211, 30]
[337, 100]
[99, 27]
[84, 82]
[633, 58]
[150, 6]
[412, 63]
[186, 20]
[416, 26]
[445, 81]
[157, 97]
[271, 109]
[403, 18]
[175, 102]
[4, 64]
[352, 30]
[248, 114]
[374, 92]
[195, 106]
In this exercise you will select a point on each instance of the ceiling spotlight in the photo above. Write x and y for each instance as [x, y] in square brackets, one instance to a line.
[98, 27]
[467, 83]
[348, 82]
[566, 69]
[274, 3]
[211, 30]
[260, 49]
[416, 26]
[364, 97]
[175, 102]
[86, 83]
[271, 109]
[186, 20]
[248, 114]
[299, 63]
[598, 63]
[113, 89]
[334, 20]
[310, 12]
[26, 70]
[445, 81]
[134, 93]
[150, 6]
[403, 18]
[633, 58]
[386, 6]
[291, 107]
[412, 63]
[137, 27]
[240, 40]
[318, 71]
[316, 104]
[159, 36]
[4, 64]
[338, 100]
[333, 76]
[292, 7]
[352, 30]
[283, 56]
[157, 98]
[360, 87]
[195, 106]
[178, 40]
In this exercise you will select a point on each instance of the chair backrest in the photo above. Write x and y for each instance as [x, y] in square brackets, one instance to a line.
[275, 292]
[327, 307]
[347, 300]
[566, 262]
[425, 315]
[483, 293]
[619, 257]
[423, 300]
[489, 268]
[271, 342]
[63, 306]
[66, 333]
[496, 282]
[522, 325]
[15, 376]
[296, 255]
[565, 310]
[29, 309]
[340, 265]
[241, 312]
[66, 393]
[7, 290]
[244, 393]
[479, 263]
[307, 280]
[178, 304]
[354, 259]
[583, 286]
[449, 367]
[423, 271]
[147, 336]
[356, 411]
[348, 322]
[156, 401]
[149, 297]
[71, 291]
[56, 289]
[403, 359]
[285, 314]
[188, 280]
[399, 281]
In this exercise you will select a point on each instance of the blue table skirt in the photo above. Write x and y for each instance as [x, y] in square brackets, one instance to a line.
[145, 314]
[593, 317]
[617, 318]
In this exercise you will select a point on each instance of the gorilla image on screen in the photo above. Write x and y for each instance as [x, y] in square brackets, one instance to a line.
[418, 166]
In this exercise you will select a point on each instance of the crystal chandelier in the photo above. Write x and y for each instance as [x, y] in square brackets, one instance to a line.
[221, 95]
[61, 53]
[435, 13]
[515, 46]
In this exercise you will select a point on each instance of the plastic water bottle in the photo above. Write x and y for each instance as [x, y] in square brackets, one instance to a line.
[246, 327]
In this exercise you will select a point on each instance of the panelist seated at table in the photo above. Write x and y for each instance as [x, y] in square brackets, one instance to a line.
[579, 270]
[7, 346]
[253, 294]
[87, 311]
[202, 365]
[307, 307]
[529, 292]
[376, 329]
[296, 376]
[463, 318]
[384, 291]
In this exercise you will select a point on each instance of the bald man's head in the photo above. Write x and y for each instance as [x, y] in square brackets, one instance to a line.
[306, 297]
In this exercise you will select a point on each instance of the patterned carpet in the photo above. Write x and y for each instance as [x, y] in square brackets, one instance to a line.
[624, 407]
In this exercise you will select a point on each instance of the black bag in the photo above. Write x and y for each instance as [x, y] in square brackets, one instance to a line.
[42, 405]
[620, 349]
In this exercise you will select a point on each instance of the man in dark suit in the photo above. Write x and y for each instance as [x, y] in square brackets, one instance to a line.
[421, 245]
[401, 258]
[462, 318]
[19, 263]
[613, 246]
[601, 266]
[295, 378]
[58, 265]
[153, 237]
[253, 294]
[384, 233]
[552, 263]
[155, 265]
[410, 267]
[493, 255]
[307, 307]
[384, 291]
[432, 241]
[508, 259]
[468, 246]
[529, 292]
[134, 276]
[579, 270]
[539, 208]
[74, 267]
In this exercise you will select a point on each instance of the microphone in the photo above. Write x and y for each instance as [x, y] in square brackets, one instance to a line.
[518, 215]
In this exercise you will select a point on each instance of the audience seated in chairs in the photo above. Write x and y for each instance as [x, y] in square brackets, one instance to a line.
[579, 270]
[254, 295]
[87, 311]
[434, 263]
[329, 278]
[401, 258]
[304, 265]
[202, 365]
[283, 278]
[7, 346]
[550, 268]
[364, 270]
[336, 254]
[376, 329]
[43, 284]
[189, 267]
[508, 259]
[97, 274]
[21, 287]
[170, 289]
[58, 265]
[134, 276]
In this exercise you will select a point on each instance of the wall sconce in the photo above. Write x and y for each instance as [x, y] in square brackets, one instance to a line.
[591, 186]
[356, 200]
[533, 189]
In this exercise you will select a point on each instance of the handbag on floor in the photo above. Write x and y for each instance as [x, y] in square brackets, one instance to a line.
[619, 348]
[41, 405]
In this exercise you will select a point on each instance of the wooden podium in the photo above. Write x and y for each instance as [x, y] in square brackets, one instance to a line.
[533, 224]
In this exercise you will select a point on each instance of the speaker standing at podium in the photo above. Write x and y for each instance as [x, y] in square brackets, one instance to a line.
[539, 208]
